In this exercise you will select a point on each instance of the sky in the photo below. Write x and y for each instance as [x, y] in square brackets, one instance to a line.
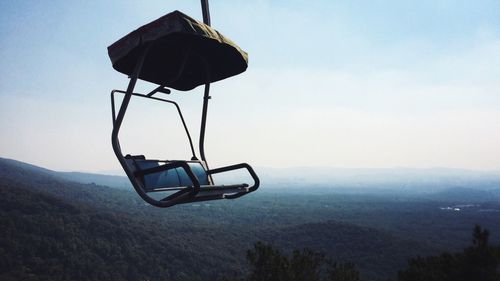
[343, 84]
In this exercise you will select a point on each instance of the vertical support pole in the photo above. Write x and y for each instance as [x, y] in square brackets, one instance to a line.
[206, 12]
[206, 95]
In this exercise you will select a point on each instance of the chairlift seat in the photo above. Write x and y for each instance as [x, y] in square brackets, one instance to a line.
[164, 179]
[176, 43]
[152, 178]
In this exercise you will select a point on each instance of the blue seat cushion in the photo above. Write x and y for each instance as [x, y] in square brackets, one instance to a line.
[173, 177]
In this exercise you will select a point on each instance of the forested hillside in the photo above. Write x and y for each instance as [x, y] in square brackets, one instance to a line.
[55, 229]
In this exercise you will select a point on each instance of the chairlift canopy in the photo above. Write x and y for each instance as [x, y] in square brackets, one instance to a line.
[180, 51]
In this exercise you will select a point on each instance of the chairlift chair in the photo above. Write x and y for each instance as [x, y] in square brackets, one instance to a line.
[176, 52]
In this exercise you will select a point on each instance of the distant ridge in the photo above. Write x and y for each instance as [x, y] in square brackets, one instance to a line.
[107, 180]
[468, 195]
[16, 173]
[404, 180]
[23, 165]
[79, 177]
[401, 181]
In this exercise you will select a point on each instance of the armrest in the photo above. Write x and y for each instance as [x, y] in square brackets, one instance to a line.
[236, 167]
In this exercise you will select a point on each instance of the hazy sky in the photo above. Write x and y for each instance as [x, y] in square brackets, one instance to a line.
[330, 83]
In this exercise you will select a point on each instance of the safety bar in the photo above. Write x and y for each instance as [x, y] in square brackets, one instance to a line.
[158, 99]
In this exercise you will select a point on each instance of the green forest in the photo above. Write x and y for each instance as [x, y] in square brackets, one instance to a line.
[55, 229]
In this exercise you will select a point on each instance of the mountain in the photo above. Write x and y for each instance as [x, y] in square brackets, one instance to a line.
[46, 238]
[53, 228]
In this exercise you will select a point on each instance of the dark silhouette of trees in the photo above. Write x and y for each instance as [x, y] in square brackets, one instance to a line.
[270, 264]
[344, 272]
[479, 262]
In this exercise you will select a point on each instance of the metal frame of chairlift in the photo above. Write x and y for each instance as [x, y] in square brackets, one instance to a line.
[182, 194]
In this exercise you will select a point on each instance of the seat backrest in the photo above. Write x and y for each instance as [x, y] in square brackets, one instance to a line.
[176, 177]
